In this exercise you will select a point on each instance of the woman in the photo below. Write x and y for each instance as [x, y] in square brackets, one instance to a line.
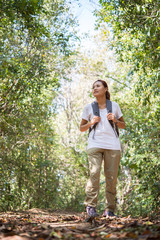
[103, 144]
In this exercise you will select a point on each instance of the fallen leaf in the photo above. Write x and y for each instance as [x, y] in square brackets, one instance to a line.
[131, 235]
[149, 223]
[146, 232]
[111, 235]
[108, 235]
[73, 227]
[56, 234]
[15, 237]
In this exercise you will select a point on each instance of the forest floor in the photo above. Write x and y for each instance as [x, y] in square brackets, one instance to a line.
[39, 224]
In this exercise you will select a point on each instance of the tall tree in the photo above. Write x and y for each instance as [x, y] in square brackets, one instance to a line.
[34, 48]
[135, 29]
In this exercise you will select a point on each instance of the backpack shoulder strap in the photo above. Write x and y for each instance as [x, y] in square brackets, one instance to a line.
[95, 113]
[95, 108]
[114, 126]
[109, 105]
[109, 108]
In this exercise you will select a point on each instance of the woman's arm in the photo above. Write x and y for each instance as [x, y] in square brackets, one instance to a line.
[85, 125]
[121, 123]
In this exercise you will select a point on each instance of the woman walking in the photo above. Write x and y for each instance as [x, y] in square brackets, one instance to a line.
[103, 145]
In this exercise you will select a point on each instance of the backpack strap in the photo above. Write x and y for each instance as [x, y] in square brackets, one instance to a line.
[95, 108]
[109, 105]
[114, 126]
[109, 108]
[96, 113]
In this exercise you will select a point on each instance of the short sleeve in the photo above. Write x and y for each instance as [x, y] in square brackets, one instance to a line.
[118, 112]
[85, 114]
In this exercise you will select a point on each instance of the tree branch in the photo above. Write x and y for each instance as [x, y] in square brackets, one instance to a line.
[116, 80]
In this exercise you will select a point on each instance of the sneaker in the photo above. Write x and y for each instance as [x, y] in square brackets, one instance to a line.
[108, 214]
[91, 211]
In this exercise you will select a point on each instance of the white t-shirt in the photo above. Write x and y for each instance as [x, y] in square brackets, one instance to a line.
[104, 136]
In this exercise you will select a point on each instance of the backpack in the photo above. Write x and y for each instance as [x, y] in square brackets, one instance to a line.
[96, 113]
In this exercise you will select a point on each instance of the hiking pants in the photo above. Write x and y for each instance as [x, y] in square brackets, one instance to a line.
[111, 164]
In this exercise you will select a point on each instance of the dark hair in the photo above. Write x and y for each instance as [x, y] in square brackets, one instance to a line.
[105, 85]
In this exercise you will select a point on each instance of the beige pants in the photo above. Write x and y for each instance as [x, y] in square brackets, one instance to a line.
[111, 164]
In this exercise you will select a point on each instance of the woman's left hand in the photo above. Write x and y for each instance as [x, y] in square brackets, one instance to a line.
[111, 116]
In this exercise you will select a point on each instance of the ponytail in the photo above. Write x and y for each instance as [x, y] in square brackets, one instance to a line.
[107, 95]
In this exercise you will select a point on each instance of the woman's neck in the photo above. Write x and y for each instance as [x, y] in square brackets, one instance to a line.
[101, 102]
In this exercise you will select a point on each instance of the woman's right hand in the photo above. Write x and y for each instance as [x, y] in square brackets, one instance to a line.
[85, 125]
[95, 119]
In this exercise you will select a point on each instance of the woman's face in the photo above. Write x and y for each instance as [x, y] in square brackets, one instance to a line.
[98, 89]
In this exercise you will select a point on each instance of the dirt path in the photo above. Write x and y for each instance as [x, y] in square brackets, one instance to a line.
[39, 224]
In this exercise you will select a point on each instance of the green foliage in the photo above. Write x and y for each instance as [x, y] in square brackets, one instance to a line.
[73, 173]
[136, 36]
[34, 49]
[135, 28]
